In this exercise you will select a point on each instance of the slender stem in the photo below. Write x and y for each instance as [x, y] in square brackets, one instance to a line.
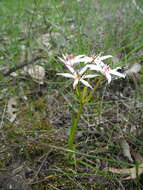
[73, 131]
[75, 121]
[88, 98]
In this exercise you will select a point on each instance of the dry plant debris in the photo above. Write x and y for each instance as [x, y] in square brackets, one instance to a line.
[36, 72]
[126, 149]
[133, 172]
[11, 109]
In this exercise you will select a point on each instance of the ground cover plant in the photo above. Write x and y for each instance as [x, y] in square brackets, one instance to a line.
[40, 148]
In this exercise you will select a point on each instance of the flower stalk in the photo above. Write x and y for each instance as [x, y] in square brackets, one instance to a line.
[95, 65]
[73, 129]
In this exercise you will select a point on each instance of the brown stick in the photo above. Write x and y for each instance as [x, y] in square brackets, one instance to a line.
[20, 66]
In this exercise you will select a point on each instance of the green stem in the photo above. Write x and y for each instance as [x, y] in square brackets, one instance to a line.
[88, 98]
[83, 98]
[73, 131]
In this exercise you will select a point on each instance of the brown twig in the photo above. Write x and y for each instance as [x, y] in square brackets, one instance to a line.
[21, 65]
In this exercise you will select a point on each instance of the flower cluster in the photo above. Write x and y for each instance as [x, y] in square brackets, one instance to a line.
[93, 63]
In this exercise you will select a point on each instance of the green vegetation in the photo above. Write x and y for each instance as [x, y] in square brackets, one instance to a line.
[34, 128]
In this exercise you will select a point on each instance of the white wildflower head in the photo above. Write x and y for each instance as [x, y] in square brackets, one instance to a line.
[97, 59]
[78, 76]
[93, 63]
[71, 60]
[105, 70]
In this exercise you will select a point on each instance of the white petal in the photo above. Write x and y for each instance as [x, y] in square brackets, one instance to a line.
[82, 70]
[94, 67]
[102, 64]
[99, 62]
[65, 56]
[105, 57]
[70, 63]
[79, 57]
[114, 72]
[89, 76]
[67, 75]
[87, 59]
[108, 76]
[62, 60]
[71, 69]
[75, 83]
[85, 83]
[73, 60]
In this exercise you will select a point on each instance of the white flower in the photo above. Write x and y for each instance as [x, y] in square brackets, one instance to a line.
[78, 76]
[102, 58]
[105, 70]
[96, 59]
[71, 60]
